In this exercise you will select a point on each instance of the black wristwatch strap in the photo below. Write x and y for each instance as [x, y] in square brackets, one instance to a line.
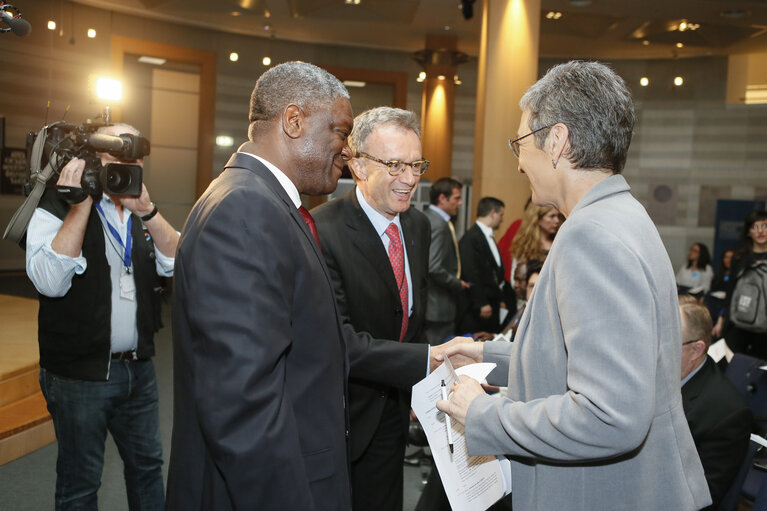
[150, 215]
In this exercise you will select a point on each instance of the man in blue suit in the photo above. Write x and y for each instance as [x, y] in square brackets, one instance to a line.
[260, 417]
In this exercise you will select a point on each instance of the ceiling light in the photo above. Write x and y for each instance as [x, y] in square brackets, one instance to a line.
[224, 141]
[446, 27]
[267, 14]
[354, 83]
[234, 57]
[553, 15]
[693, 26]
[644, 81]
[421, 76]
[92, 33]
[51, 25]
[457, 80]
[266, 61]
[441, 77]
[151, 60]
[680, 45]
[678, 81]
[646, 42]
[683, 26]
[352, 2]
[235, 13]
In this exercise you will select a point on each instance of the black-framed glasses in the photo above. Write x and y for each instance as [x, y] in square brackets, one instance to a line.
[514, 144]
[396, 167]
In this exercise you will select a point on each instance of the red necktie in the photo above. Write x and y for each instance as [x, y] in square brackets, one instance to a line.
[310, 222]
[397, 259]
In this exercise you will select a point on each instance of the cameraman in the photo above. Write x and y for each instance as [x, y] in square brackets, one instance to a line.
[99, 309]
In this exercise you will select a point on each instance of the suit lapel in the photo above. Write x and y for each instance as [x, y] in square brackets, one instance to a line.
[368, 243]
[244, 161]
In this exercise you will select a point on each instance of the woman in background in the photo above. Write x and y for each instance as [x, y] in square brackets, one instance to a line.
[752, 250]
[695, 277]
[535, 236]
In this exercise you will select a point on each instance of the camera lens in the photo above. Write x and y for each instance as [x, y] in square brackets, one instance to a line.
[118, 180]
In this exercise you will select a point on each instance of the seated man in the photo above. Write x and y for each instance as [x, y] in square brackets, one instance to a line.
[719, 418]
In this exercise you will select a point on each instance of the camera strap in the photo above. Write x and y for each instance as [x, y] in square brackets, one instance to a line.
[128, 245]
[20, 220]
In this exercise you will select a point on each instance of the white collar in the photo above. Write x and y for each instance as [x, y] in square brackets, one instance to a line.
[287, 184]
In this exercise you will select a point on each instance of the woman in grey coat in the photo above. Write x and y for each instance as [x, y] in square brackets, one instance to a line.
[593, 418]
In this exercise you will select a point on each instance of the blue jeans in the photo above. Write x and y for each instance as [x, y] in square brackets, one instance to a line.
[83, 411]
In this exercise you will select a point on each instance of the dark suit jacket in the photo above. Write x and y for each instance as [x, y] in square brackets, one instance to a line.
[368, 300]
[488, 284]
[260, 362]
[444, 286]
[720, 423]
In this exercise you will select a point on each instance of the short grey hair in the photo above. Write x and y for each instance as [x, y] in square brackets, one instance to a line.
[596, 106]
[291, 83]
[367, 121]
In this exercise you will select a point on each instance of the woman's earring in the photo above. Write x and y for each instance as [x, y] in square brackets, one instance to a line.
[554, 163]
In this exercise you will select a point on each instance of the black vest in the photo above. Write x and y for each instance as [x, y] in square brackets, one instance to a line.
[74, 331]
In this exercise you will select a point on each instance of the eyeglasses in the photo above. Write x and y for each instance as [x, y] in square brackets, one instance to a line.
[396, 167]
[691, 341]
[514, 144]
[759, 227]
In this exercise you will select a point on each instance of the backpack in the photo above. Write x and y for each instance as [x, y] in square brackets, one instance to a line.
[748, 305]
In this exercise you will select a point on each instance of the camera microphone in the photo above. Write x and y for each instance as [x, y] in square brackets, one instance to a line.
[126, 146]
[16, 24]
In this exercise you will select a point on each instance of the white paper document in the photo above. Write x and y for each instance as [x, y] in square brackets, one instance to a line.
[472, 483]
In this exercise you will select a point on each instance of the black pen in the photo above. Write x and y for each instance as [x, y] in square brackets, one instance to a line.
[447, 419]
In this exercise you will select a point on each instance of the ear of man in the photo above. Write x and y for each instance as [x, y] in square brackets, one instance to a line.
[293, 119]
[359, 170]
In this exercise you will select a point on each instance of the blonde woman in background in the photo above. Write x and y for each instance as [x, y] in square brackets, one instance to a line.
[536, 234]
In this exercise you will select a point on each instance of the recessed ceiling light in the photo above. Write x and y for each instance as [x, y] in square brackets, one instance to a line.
[678, 81]
[266, 61]
[51, 25]
[680, 45]
[234, 56]
[352, 2]
[151, 60]
[644, 81]
[92, 33]
[553, 15]
[646, 42]
[441, 77]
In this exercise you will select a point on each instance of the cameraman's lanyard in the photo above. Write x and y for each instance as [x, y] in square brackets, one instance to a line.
[127, 284]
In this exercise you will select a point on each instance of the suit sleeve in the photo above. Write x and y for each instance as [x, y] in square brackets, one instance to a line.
[238, 300]
[610, 337]
[400, 364]
[722, 450]
[441, 241]
[470, 267]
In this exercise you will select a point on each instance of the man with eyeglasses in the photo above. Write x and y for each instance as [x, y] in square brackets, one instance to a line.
[718, 416]
[377, 250]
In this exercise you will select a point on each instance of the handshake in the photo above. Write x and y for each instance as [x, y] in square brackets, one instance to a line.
[461, 351]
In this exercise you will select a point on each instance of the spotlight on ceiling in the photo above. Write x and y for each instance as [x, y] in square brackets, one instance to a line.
[467, 8]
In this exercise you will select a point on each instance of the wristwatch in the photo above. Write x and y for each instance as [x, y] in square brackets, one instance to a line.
[151, 214]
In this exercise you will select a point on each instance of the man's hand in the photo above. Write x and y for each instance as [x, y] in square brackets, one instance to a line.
[436, 353]
[462, 353]
[140, 205]
[72, 173]
[463, 394]
[465, 285]
[486, 311]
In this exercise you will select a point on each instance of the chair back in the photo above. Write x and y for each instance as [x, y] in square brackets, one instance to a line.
[730, 500]
[744, 372]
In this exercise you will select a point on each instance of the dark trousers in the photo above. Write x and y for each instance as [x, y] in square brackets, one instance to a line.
[83, 412]
[377, 474]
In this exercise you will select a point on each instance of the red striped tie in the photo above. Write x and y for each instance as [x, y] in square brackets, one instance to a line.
[397, 259]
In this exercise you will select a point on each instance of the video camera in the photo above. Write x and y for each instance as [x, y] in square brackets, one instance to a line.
[59, 142]
[56, 144]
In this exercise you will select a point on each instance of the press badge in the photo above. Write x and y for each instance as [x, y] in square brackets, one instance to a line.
[127, 287]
